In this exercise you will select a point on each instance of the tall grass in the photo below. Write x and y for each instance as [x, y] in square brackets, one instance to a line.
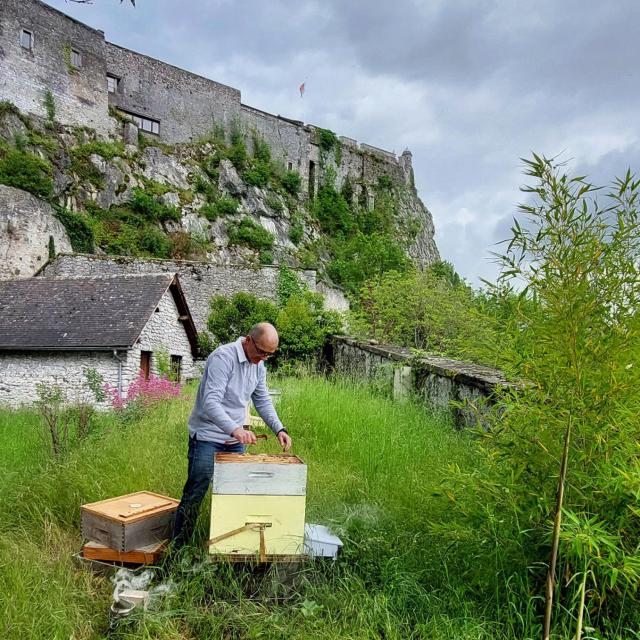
[373, 468]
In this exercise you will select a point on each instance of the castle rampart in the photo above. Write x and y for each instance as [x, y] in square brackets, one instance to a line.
[185, 105]
[42, 50]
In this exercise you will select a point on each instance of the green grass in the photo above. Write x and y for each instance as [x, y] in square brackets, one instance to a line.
[373, 467]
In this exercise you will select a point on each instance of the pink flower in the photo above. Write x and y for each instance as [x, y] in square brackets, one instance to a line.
[146, 391]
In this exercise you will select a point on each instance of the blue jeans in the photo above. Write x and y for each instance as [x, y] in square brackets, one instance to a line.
[199, 475]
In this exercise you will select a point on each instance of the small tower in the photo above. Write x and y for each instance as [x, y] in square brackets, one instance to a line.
[406, 162]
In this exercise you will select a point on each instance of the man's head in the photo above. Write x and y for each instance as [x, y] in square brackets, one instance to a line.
[261, 342]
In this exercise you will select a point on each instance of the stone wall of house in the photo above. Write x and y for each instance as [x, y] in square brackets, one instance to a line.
[163, 333]
[20, 373]
[187, 105]
[199, 280]
[79, 94]
[466, 390]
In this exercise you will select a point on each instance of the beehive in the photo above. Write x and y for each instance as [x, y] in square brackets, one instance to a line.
[258, 505]
[129, 522]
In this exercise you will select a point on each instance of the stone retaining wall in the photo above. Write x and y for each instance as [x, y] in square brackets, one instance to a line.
[465, 389]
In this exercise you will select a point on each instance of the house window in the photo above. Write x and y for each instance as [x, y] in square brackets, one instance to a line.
[176, 368]
[144, 124]
[145, 363]
[112, 84]
[26, 39]
[76, 58]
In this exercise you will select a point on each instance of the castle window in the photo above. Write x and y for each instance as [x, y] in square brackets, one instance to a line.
[290, 166]
[76, 58]
[144, 124]
[26, 39]
[112, 84]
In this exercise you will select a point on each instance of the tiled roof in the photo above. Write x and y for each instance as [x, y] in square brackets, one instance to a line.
[77, 313]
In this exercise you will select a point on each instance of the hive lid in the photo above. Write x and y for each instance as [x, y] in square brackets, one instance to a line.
[258, 458]
[132, 507]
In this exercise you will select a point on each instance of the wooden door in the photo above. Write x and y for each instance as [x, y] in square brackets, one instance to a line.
[145, 363]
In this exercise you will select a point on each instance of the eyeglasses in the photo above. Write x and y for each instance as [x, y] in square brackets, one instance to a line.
[261, 352]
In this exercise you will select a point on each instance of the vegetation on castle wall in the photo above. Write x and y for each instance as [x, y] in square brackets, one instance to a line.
[24, 170]
[135, 228]
[49, 107]
[291, 181]
[78, 228]
[250, 234]
[222, 206]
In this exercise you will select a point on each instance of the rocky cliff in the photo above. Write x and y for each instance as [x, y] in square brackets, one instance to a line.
[222, 199]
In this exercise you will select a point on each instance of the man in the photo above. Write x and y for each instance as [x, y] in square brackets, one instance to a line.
[233, 375]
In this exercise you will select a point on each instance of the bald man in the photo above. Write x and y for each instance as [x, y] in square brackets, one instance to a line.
[233, 375]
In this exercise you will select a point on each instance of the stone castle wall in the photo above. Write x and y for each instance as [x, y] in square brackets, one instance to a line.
[187, 105]
[80, 95]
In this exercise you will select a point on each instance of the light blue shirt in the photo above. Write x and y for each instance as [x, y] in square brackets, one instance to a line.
[228, 383]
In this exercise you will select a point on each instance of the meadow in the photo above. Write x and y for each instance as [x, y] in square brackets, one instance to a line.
[376, 470]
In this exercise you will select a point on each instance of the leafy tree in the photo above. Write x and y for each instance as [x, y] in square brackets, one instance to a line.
[565, 489]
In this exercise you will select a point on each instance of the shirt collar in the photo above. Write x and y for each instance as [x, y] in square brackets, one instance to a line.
[240, 351]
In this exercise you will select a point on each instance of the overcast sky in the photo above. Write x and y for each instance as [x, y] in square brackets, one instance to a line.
[469, 86]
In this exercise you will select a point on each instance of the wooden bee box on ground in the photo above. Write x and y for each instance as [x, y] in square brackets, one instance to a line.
[258, 505]
[129, 522]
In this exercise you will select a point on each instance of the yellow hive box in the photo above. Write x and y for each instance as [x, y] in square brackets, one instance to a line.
[258, 505]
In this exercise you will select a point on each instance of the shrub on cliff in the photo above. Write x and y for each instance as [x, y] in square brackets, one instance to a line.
[24, 170]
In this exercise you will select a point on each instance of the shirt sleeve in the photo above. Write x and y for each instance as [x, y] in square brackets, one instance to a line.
[262, 402]
[218, 373]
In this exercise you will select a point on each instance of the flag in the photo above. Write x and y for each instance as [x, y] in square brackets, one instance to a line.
[302, 89]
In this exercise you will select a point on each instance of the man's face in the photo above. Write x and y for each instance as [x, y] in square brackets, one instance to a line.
[257, 350]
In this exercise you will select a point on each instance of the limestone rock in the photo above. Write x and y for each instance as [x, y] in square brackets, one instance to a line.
[165, 168]
[26, 223]
[229, 180]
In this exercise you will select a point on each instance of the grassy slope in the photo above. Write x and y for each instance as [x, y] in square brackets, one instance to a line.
[373, 466]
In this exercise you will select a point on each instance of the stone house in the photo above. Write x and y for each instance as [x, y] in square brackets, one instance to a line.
[53, 329]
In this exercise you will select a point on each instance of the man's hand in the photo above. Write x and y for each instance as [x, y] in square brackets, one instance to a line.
[285, 440]
[243, 436]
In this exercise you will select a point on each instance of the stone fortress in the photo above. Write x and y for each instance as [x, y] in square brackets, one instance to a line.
[43, 50]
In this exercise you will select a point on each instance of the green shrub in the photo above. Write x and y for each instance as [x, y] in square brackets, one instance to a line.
[333, 211]
[237, 152]
[359, 257]
[258, 174]
[250, 234]
[292, 182]
[301, 321]
[50, 107]
[303, 326]
[233, 317]
[296, 230]
[425, 311]
[106, 150]
[8, 108]
[204, 186]
[151, 209]
[26, 171]
[261, 150]
[78, 229]
[222, 206]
